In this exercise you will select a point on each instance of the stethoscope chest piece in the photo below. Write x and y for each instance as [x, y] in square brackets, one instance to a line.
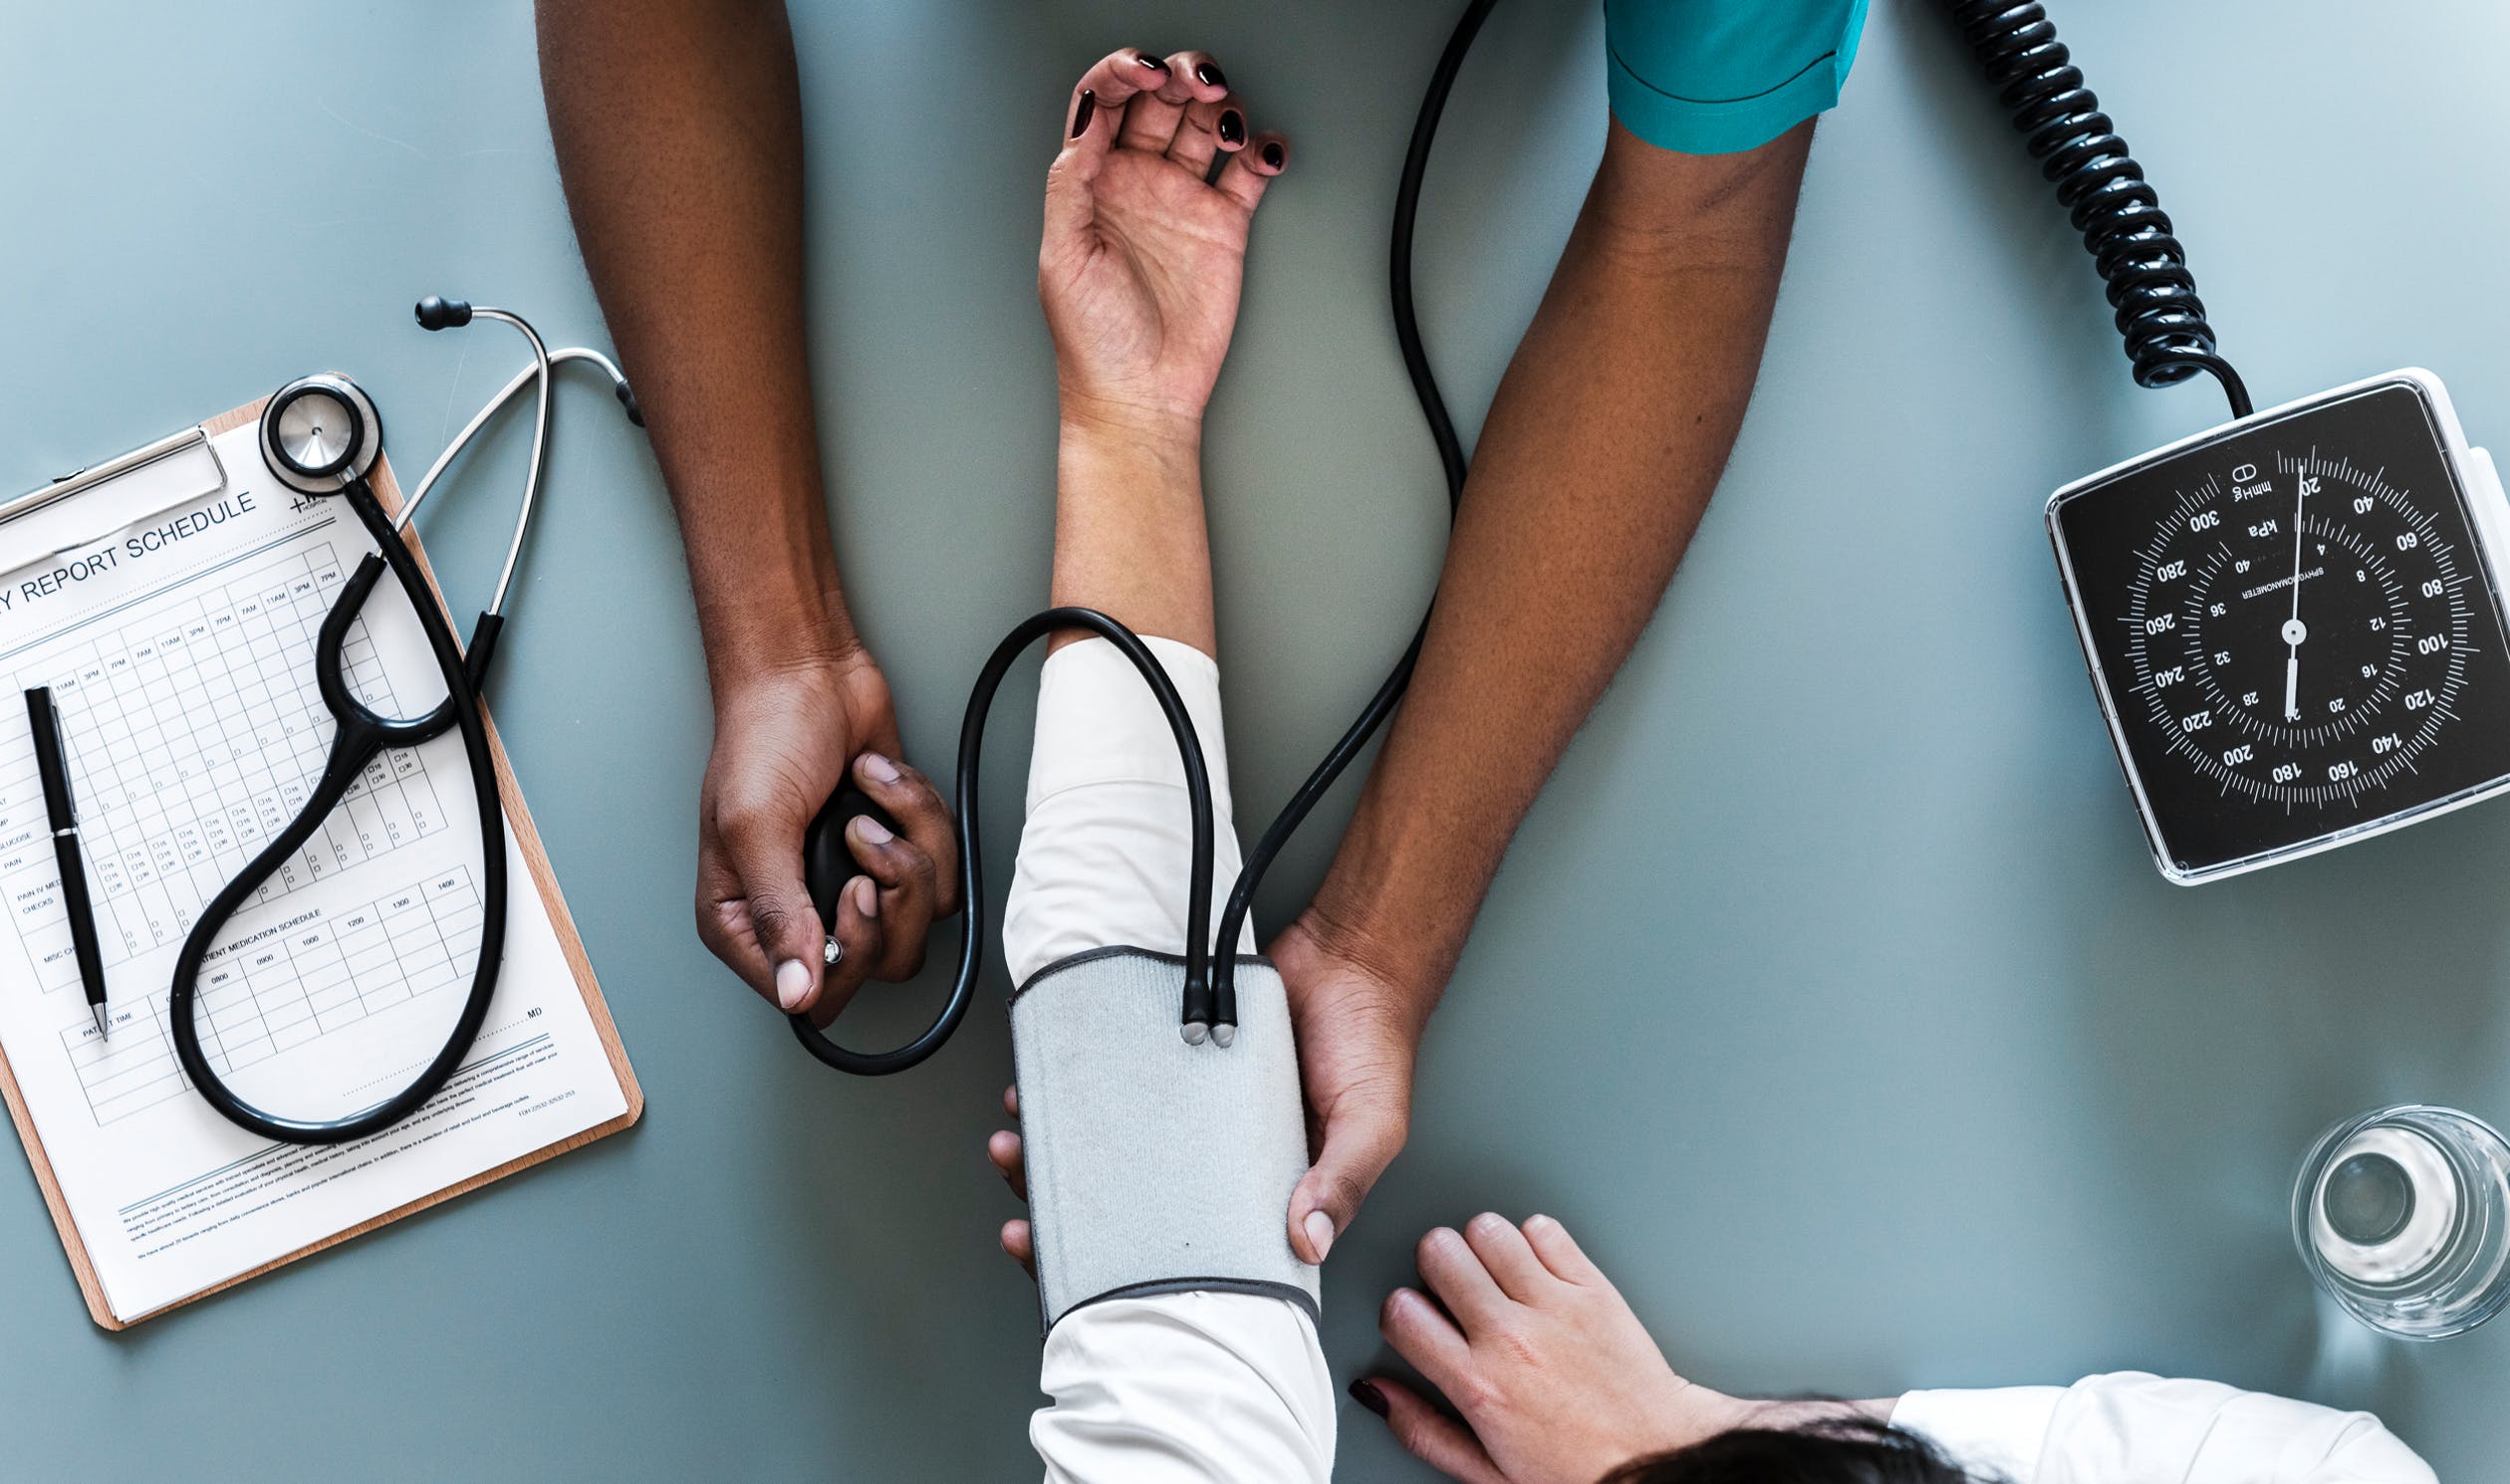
[321, 432]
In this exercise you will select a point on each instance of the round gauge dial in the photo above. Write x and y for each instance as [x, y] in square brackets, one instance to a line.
[2293, 625]
[2298, 626]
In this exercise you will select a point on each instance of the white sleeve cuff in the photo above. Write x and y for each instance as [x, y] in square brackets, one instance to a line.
[1108, 847]
[1187, 1388]
[1097, 722]
[2131, 1425]
[2000, 1433]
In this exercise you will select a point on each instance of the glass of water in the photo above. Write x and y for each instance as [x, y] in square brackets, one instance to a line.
[2403, 1215]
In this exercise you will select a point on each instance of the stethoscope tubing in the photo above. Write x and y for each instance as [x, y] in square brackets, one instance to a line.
[1199, 1003]
[1453, 462]
[495, 404]
[359, 735]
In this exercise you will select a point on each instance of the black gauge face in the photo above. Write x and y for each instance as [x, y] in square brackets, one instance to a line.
[2294, 629]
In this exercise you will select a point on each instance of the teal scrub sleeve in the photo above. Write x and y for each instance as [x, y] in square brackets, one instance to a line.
[1717, 77]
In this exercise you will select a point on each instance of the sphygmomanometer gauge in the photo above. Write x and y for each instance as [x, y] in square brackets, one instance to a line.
[2294, 625]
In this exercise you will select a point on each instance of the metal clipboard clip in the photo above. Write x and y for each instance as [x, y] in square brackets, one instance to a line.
[99, 501]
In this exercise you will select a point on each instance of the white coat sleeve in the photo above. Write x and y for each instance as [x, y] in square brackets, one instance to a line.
[2132, 1429]
[1178, 1388]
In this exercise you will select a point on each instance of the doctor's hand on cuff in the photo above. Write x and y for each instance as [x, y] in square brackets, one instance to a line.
[785, 737]
[1358, 1034]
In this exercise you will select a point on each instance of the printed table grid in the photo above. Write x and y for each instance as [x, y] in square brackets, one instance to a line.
[284, 991]
[194, 737]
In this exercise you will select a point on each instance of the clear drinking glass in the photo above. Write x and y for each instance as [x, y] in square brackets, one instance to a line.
[2403, 1215]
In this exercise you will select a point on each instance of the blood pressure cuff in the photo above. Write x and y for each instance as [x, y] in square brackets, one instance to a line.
[1154, 1166]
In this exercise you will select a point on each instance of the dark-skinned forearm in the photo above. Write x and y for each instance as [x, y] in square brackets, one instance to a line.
[679, 130]
[1606, 439]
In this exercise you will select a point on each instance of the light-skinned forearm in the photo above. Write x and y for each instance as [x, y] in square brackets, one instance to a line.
[678, 129]
[1607, 437]
[1129, 534]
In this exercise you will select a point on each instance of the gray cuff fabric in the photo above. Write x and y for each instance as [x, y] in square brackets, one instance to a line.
[1154, 1166]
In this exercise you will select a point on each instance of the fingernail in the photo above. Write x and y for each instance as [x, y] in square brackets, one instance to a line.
[873, 830]
[866, 896]
[1368, 1396]
[1232, 128]
[1156, 63]
[1273, 156]
[793, 983]
[1081, 114]
[1210, 76]
[1319, 1233]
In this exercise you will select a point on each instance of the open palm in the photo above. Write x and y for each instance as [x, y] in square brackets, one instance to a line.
[1145, 244]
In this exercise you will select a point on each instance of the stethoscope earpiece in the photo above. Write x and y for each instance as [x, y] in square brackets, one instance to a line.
[437, 312]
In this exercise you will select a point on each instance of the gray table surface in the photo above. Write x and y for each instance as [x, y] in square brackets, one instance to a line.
[1829, 993]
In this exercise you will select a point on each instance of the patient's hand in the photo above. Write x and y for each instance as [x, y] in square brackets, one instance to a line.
[1145, 242]
[1557, 1381]
[1018, 1242]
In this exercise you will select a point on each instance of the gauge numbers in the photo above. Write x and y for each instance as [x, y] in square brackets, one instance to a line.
[2293, 625]
[2298, 628]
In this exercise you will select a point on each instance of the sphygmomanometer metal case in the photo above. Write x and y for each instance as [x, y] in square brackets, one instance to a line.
[2294, 625]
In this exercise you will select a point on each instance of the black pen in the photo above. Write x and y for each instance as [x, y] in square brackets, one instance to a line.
[63, 814]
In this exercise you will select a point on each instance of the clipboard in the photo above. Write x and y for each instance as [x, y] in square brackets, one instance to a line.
[173, 473]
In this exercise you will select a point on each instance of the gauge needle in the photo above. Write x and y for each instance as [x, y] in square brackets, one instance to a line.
[2294, 632]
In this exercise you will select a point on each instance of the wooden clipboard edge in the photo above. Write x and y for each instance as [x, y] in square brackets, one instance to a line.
[570, 943]
[80, 1265]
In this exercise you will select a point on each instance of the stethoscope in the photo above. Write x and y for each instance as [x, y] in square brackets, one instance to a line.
[321, 435]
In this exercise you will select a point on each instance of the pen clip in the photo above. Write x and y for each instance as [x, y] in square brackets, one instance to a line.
[69, 781]
[52, 762]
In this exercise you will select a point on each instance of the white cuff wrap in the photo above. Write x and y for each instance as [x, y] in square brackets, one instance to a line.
[1154, 1166]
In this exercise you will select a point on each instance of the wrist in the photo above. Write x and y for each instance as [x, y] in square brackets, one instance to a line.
[1129, 455]
[762, 570]
[1795, 1416]
[1404, 929]
[1169, 437]
[1695, 1413]
[1384, 967]
[806, 634]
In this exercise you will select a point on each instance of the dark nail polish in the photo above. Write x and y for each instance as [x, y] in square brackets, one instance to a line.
[1156, 63]
[1081, 114]
[1370, 1397]
[1232, 128]
[1210, 76]
[1273, 156]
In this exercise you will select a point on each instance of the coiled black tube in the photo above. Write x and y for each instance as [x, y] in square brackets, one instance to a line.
[2103, 190]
